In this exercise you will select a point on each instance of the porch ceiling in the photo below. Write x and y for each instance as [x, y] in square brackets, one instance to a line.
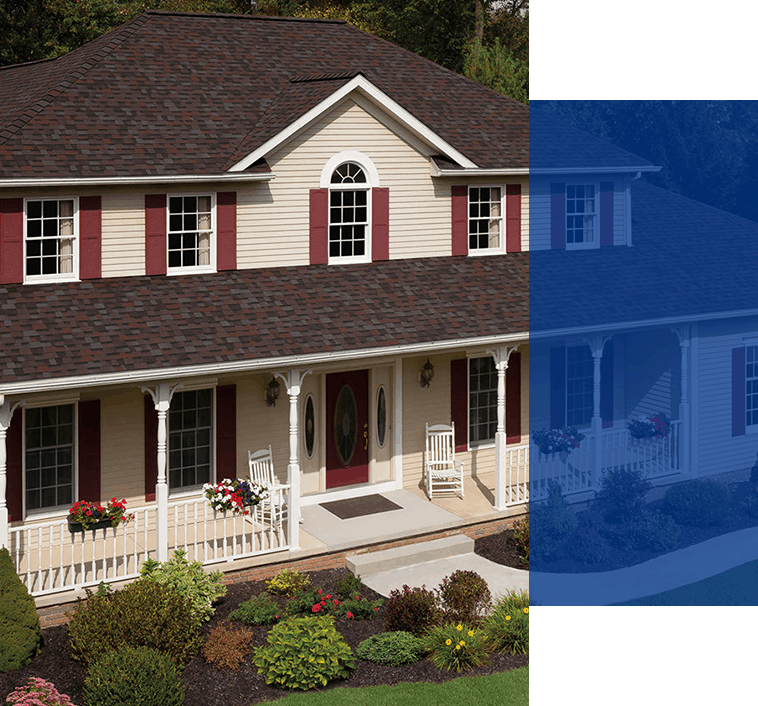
[128, 324]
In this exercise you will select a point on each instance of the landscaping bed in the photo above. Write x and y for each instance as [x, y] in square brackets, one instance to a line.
[206, 685]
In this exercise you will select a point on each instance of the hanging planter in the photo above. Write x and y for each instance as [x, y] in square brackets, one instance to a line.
[85, 515]
[74, 526]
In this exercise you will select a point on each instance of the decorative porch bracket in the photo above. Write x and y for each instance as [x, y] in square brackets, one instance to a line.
[6, 414]
[293, 380]
[500, 355]
[162, 394]
[597, 344]
[683, 335]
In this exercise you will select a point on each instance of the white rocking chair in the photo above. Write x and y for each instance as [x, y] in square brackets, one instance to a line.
[261, 465]
[443, 473]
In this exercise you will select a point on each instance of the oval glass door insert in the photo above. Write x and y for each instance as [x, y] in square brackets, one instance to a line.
[345, 424]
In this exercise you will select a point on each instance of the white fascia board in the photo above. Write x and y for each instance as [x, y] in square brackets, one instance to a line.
[593, 170]
[251, 366]
[366, 88]
[117, 181]
[516, 171]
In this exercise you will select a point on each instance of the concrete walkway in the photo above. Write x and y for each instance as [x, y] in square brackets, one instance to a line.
[663, 573]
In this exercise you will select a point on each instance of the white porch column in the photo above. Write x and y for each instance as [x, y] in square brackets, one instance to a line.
[294, 381]
[683, 335]
[596, 346]
[500, 356]
[6, 414]
[162, 394]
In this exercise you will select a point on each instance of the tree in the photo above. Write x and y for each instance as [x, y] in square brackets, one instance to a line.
[497, 67]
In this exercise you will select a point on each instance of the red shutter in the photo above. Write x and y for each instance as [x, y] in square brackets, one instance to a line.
[13, 466]
[459, 401]
[606, 385]
[90, 237]
[155, 234]
[557, 387]
[11, 241]
[513, 217]
[558, 216]
[226, 431]
[513, 399]
[151, 448]
[89, 450]
[226, 224]
[738, 391]
[459, 198]
[380, 223]
[606, 213]
[319, 218]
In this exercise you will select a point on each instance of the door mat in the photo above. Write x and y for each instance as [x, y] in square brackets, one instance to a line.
[358, 507]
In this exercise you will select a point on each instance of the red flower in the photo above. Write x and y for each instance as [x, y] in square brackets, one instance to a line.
[349, 615]
[316, 608]
[335, 601]
[89, 512]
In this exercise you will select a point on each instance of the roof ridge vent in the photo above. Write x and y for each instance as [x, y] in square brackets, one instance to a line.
[333, 76]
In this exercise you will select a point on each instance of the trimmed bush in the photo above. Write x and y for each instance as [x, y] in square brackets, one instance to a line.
[506, 630]
[287, 582]
[465, 597]
[521, 534]
[551, 522]
[143, 614]
[586, 544]
[134, 676]
[456, 647]
[20, 634]
[702, 502]
[349, 586]
[652, 531]
[359, 608]
[303, 653]
[622, 494]
[226, 647]
[391, 648]
[259, 610]
[37, 692]
[412, 610]
[188, 580]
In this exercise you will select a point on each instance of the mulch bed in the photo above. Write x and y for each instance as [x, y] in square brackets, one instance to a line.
[205, 685]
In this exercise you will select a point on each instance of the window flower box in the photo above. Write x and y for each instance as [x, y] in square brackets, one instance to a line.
[85, 515]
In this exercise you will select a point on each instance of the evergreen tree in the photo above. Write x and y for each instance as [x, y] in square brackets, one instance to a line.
[20, 633]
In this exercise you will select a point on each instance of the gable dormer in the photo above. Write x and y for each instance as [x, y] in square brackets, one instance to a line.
[580, 187]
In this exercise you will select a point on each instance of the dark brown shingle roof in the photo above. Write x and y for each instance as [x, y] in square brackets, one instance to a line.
[175, 93]
[137, 323]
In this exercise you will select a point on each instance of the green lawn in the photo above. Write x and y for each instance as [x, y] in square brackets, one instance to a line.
[503, 689]
[738, 586]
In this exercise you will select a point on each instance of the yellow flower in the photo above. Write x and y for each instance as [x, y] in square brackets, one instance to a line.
[526, 610]
[471, 633]
[463, 642]
[457, 647]
[460, 627]
[507, 617]
[448, 642]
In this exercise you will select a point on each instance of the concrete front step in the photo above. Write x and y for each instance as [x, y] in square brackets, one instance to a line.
[409, 555]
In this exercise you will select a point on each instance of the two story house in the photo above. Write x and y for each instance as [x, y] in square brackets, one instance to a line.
[223, 233]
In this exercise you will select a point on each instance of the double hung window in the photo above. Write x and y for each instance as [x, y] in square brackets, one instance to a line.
[485, 221]
[190, 232]
[581, 215]
[482, 381]
[751, 385]
[51, 239]
[579, 386]
[190, 439]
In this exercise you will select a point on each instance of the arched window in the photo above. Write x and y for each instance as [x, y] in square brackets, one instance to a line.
[349, 212]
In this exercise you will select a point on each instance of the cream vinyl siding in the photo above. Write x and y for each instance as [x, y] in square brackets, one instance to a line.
[123, 239]
[273, 219]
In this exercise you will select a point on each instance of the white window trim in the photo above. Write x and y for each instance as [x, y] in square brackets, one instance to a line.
[372, 177]
[479, 252]
[58, 510]
[72, 276]
[596, 224]
[211, 267]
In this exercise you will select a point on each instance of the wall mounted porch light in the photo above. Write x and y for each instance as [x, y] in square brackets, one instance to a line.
[427, 373]
[272, 392]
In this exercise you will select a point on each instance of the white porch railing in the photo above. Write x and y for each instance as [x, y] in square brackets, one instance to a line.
[528, 472]
[49, 558]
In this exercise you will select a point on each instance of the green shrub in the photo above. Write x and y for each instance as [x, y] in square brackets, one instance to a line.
[701, 503]
[287, 582]
[456, 647]
[586, 544]
[622, 494]
[226, 647]
[37, 692]
[506, 629]
[521, 534]
[465, 597]
[412, 610]
[188, 580]
[391, 648]
[303, 653]
[359, 608]
[313, 602]
[134, 676]
[348, 586]
[651, 531]
[259, 610]
[20, 634]
[749, 501]
[551, 522]
[144, 613]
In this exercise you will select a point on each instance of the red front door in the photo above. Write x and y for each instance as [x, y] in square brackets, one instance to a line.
[346, 428]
